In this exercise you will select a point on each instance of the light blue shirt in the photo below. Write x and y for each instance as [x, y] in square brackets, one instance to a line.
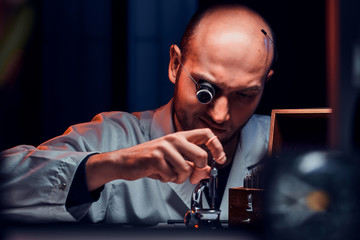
[36, 181]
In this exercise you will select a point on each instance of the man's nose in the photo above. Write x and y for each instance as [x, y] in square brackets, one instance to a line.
[219, 109]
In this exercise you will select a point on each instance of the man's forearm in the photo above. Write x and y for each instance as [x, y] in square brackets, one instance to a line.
[100, 169]
[172, 158]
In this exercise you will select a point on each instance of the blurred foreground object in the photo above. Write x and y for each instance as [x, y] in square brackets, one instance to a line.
[312, 196]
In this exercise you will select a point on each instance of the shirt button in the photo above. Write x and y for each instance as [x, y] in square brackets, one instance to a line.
[62, 186]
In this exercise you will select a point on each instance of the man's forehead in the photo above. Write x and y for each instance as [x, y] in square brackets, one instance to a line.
[232, 48]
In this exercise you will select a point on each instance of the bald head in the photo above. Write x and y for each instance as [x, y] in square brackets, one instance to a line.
[228, 28]
[225, 47]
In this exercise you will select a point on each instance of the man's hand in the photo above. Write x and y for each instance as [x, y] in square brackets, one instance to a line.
[172, 158]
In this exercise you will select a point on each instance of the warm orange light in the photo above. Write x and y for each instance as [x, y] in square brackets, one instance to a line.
[333, 67]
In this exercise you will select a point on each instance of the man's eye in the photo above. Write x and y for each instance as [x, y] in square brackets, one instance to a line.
[245, 95]
[241, 94]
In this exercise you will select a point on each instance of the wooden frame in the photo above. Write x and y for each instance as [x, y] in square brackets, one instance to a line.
[281, 117]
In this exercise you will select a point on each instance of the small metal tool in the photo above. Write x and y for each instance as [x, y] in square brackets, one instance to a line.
[213, 184]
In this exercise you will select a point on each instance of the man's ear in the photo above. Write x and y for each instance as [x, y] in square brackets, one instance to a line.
[174, 64]
[270, 74]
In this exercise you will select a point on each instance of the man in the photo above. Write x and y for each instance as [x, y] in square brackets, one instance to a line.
[141, 168]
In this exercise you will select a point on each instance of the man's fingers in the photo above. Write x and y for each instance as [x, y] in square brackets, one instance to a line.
[164, 172]
[193, 152]
[199, 173]
[216, 149]
[171, 166]
[207, 137]
[178, 164]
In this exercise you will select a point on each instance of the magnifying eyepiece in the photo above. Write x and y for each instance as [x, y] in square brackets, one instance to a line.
[205, 92]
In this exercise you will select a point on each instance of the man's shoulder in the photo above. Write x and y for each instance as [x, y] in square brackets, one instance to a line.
[120, 116]
[129, 122]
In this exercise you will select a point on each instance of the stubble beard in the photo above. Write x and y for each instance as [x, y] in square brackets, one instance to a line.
[185, 122]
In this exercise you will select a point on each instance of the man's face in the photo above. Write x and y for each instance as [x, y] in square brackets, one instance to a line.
[238, 75]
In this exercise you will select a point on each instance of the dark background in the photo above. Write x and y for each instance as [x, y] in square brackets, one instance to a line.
[85, 57]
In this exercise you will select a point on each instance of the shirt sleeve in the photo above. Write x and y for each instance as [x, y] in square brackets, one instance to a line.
[79, 193]
[35, 181]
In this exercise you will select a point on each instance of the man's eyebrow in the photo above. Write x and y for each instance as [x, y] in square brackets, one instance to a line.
[250, 89]
[200, 76]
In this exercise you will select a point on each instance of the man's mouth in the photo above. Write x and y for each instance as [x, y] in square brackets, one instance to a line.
[213, 126]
